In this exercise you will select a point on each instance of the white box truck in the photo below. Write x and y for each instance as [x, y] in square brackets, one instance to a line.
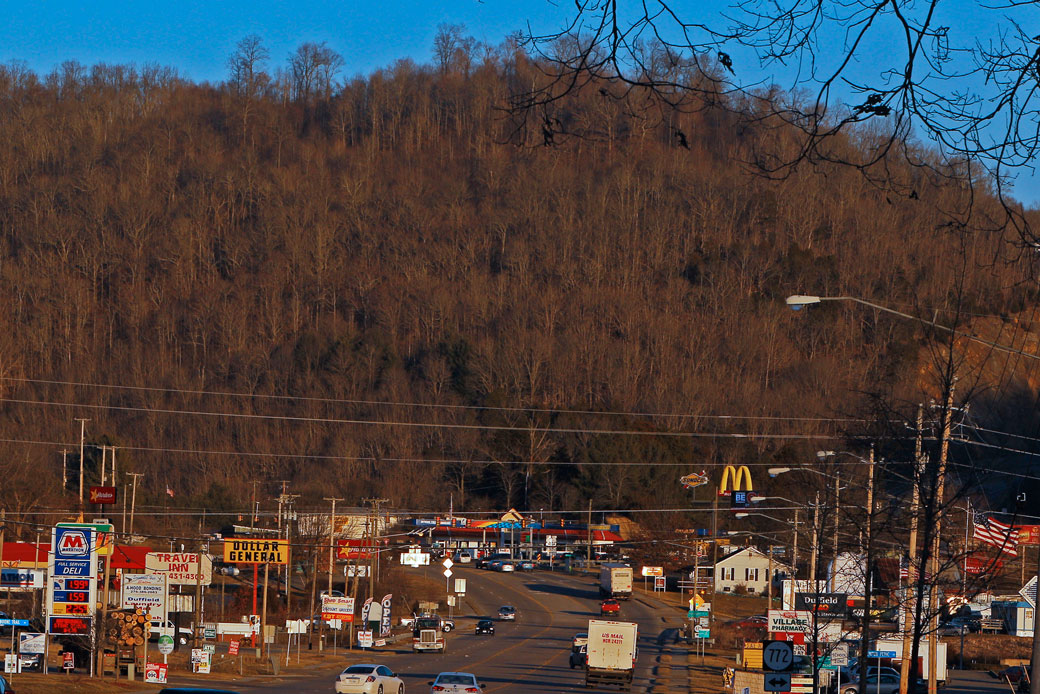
[615, 581]
[896, 645]
[611, 653]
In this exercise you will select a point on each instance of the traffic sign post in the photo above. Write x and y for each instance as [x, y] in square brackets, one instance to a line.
[777, 656]
[777, 682]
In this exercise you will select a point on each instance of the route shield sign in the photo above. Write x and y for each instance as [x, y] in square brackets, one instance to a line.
[777, 656]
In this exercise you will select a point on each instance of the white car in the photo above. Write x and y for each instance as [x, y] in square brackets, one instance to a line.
[456, 683]
[464, 557]
[506, 566]
[507, 612]
[369, 678]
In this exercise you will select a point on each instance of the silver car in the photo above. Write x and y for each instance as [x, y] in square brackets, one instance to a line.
[456, 683]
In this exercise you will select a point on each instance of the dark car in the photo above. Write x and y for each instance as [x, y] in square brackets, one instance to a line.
[485, 626]
[5, 686]
[579, 657]
[1015, 674]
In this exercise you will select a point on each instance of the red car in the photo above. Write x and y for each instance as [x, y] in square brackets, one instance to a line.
[609, 607]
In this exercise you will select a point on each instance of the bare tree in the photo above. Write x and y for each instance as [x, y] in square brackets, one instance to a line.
[312, 71]
[246, 67]
[885, 73]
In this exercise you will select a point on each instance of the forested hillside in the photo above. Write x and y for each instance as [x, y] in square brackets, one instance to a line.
[400, 242]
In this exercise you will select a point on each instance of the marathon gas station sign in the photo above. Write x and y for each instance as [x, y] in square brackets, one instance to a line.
[72, 586]
[256, 551]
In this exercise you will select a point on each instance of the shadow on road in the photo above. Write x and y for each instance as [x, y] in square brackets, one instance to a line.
[572, 591]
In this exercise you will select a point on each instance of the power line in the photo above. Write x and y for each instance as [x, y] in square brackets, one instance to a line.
[446, 406]
[433, 425]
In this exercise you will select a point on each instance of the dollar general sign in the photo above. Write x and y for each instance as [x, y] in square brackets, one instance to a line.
[256, 551]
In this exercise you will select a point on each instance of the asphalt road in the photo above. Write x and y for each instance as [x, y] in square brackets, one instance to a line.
[529, 655]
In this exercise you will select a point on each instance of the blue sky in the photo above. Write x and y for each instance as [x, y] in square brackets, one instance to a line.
[196, 38]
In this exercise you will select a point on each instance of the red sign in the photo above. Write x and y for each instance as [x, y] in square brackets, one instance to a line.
[1028, 534]
[78, 626]
[155, 673]
[68, 661]
[352, 549]
[232, 648]
[102, 495]
[977, 563]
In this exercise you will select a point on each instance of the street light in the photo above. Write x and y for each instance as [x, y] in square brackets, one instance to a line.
[797, 301]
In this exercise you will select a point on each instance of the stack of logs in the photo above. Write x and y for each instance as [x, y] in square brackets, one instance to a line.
[127, 627]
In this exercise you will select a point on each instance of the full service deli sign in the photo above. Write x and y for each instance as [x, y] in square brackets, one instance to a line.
[256, 551]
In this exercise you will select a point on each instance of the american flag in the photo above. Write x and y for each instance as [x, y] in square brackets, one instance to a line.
[993, 532]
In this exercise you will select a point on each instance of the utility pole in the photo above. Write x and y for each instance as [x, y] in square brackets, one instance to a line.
[285, 501]
[133, 498]
[82, 437]
[915, 506]
[815, 543]
[332, 538]
[794, 551]
[864, 648]
[588, 533]
[252, 506]
[64, 471]
[373, 557]
[837, 517]
[940, 494]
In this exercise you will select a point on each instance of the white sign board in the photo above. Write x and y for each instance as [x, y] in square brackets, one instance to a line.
[336, 608]
[790, 622]
[448, 563]
[364, 639]
[29, 643]
[145, 591]
[1028, 592]
[415, 559]
[180, 568]
[460, 586]
[351, 571]
[840, 655]
[295, 626]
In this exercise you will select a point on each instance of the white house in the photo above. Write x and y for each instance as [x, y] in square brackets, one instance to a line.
[748, 568]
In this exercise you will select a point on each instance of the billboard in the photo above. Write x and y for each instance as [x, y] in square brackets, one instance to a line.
[180, 568]
[145, 591]
[789, 622]
[337, 608]
[256, 551]
[822, 603]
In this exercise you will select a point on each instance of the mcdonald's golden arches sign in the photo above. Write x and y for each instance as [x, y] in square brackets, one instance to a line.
[738, 474]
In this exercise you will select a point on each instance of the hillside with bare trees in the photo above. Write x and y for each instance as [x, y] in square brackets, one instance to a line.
[389, 286]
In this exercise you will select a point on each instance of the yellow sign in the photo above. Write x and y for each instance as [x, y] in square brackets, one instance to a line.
[751, 657]
[256, 551]
[738, 474]
[698, 601]
[653, 571]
